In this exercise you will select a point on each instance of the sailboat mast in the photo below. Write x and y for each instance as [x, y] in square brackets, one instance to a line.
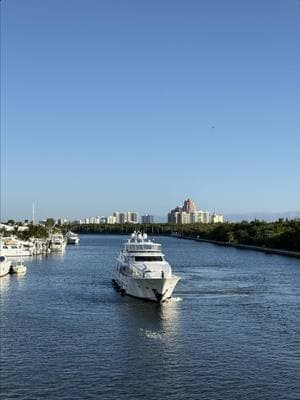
[32, 213]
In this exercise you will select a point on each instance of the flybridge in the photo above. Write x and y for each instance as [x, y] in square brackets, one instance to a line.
[139, 242]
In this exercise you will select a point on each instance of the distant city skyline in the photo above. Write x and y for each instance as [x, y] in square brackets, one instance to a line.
[251, 215]
[138, 105]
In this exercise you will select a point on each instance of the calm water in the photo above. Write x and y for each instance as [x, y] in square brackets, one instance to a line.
[232, 330]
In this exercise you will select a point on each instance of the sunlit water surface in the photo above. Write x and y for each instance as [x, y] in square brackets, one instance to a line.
[232, 330]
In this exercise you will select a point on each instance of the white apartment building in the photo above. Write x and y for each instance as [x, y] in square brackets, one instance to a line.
[216, 218]
[188, 214]
[184, 217]
[117, 217]
[111, 219]
[123, 217]
[94, 220]
[62, 221]
[200, 216]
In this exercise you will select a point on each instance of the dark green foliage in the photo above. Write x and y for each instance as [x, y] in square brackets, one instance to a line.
[50, 222]
[36, 231]
[282, 234]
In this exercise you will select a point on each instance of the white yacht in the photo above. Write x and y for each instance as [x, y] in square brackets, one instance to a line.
[58, 242]
[142, 270]
[5, 265]
[13, 247]
[72, 238]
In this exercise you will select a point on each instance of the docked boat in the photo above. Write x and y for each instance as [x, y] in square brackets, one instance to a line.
[142, 270]
[18, 267]
[72, 238]
[5, 265]
[41, 247]
[13, 247]
[58, 242]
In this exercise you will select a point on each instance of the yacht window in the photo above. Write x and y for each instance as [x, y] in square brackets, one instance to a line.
[2, 258]
[148, 258]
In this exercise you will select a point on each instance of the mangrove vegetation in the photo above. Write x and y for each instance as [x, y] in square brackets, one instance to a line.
[282, 234]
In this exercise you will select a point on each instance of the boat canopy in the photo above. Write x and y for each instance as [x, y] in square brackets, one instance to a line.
[140, 243]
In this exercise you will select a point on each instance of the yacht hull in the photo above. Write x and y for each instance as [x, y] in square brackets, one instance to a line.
[73, 240]
[4, 268]
[155, 289]
[16, 253]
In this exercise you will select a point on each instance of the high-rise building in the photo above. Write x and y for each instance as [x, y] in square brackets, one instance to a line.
[183, 218]
[188, 214]
[94, 220]
[189, 206]
[173, 215]
[147, 219]
[122, 218]
[205, 217]
[133, 217]
[129, 216]
[111, 219]
[195, 217]
[217, 218]
[62, 221]
[117, 216]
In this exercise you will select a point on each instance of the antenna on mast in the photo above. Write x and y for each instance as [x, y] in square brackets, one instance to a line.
[32, 213]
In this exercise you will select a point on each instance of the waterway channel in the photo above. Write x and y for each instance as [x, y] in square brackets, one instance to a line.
[231, 331]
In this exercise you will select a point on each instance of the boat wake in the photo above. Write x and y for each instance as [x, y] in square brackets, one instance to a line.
[151, 334]
[175, 299]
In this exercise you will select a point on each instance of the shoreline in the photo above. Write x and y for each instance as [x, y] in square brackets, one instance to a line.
[267, 250]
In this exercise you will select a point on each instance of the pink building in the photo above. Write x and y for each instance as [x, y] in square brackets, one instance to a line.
[189, 206]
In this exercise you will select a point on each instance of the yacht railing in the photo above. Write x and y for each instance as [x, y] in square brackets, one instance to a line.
[142, 247]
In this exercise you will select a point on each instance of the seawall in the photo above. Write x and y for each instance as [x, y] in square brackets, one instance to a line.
[244, 246]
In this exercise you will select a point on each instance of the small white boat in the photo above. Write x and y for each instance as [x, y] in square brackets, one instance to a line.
[142, 270]
[72, 238]
[18, 268]
[58, 242]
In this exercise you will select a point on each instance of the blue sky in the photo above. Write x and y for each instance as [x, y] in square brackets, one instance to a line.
[116, 105]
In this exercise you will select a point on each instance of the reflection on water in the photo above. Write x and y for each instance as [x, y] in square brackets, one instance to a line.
[58, 254]
[163, 324]
[4, 285]
[152, 320]
[20, 279]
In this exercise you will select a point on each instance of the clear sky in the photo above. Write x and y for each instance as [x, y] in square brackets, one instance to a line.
[136, 105]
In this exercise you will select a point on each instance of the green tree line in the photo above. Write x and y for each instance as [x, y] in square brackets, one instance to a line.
[282, 234]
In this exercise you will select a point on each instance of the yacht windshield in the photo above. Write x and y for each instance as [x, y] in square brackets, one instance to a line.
[148, 258]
